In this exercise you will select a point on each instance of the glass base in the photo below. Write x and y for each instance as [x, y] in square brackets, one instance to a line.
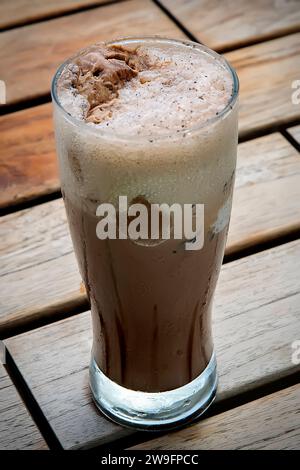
[154, 411]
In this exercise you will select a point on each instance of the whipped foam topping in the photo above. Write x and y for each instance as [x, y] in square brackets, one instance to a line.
[144, 90]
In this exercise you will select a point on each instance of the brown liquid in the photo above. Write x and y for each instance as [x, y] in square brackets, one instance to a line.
[151, 305]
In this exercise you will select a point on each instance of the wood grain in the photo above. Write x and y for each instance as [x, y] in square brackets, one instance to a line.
[267, 191]
[232, 24]
[266, 72]
[256, 319]
[30, 55]
[295, 132]
[18, 12]
[37, 265]
[36, 245]
[17, 429]
[270, 423]
[28, 166]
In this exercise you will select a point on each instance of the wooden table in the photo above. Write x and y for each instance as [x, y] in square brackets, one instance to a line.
[44, 320]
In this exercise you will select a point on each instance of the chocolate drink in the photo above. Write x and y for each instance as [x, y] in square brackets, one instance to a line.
[151, 306]
[149, 119]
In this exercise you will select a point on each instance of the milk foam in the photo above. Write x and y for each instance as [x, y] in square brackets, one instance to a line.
[179, 89]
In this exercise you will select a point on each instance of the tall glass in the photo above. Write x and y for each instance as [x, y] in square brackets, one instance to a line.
[153, 364]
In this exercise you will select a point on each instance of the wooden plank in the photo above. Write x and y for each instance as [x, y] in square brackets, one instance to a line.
[295, 132]
[36, 243]
[37, 265]
[25, 11]
[28, 166]
[270, 423]
[17, 429]
[267, 191]
[30, 55]
[231, 24]
[266, 72]
[256, 320]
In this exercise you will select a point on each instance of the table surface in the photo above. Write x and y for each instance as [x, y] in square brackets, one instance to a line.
[45, 400]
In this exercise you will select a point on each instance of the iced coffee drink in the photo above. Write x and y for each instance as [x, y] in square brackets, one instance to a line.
[155, 121]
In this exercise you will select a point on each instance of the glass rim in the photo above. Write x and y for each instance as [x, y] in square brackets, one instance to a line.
[107, 133]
